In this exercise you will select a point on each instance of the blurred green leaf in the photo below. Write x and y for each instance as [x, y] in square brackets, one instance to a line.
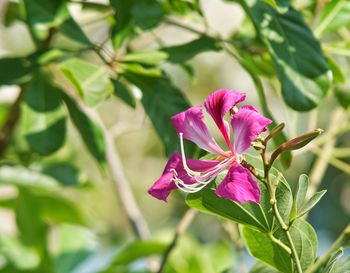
[121, 91]
[334, 15]
[17, 70]
[338, 76]
[139, 69]
[12, 14]
[305, 241]
[161, 100]
[25, 178]
[90, 133]
[301, 67]
[68, 175]
[44, 122]
[266, 250]
[182, 53]
[137, 250]
[333, 261]
[147, 13]
[44, 16]
[146, 57]
[342, 94]
[17, 254]
[91, 81]
[33, 230]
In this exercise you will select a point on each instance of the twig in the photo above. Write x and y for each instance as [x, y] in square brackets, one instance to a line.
[339, 164]
[10, 124]
[343, 237]
[121, 185]
[180, 229]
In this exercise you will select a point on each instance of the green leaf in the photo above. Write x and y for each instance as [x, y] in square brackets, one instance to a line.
[263, 248]
[146, 57]
[334, 15]
[311, 203]
[250, 214]
[12, 14]
[301, 67]
[147, 13]
[19, 255]
[44, 15]
[342, 94]
[91, 81]
[121, 91]
[305, 241]
[68, 175]
[25, 178]
[44, 122]
[182, 53]
[137, 250]
[91, 134]
[208, 202]
[161, 100]
[303, 185]
[33, 230]
[333, 261]
[260, 267]
[17, 70]
[338, 76]
[139, 69]
[124, 25]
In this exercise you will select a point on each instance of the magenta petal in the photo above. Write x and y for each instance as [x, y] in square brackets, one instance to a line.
[247, 124]
[164, 185]
[218, 104]
[239, 186]
[191, 124]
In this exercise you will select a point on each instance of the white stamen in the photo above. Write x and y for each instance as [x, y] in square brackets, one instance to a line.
[183, 155]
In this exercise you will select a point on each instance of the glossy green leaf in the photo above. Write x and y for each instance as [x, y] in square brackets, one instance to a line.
[334, 15]
[121, 91]
[91, 134]
[253, 215]
[91, 81]
[183, 53]
[305, 241]
[263, 248]
[44, 122]
[301, 67]
[161, 100]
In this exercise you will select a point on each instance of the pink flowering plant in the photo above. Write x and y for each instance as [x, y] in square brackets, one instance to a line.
[230, 183]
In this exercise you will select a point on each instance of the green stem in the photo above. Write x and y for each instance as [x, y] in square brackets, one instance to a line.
[345, 235]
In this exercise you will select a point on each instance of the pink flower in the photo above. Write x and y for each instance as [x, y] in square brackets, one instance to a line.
[191, 175]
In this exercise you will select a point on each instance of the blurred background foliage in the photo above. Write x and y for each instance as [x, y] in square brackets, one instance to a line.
[87, 92]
